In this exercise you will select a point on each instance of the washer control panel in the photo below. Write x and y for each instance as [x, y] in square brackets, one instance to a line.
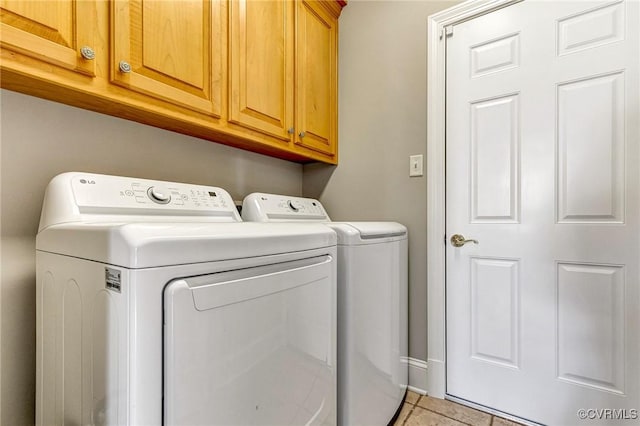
[108, 194]
[260, 207]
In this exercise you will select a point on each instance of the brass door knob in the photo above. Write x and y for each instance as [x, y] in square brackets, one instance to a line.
[458, 240]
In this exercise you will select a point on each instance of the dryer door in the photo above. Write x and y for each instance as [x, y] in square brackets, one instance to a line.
[253, 346]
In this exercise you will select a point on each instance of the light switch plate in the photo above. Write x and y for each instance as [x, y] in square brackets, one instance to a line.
[415, 165]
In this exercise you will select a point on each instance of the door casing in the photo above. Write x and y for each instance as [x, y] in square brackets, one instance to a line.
[436, 186]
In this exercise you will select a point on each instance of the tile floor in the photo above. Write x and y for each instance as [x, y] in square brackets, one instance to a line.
[421, 410]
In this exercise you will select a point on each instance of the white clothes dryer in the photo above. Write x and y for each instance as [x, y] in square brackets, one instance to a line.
[372, 306]
[157, 305]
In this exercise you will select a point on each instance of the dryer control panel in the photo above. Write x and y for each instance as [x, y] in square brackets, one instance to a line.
[260, 207]
[82, 196]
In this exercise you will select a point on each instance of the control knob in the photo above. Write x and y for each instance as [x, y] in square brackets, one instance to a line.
[295, 206]
[159, 195]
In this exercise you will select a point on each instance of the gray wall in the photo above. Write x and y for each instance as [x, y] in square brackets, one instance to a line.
[40, 139]
[382, 103]
[382, 120]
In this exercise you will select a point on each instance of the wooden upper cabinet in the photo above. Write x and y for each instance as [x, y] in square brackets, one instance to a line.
[256, 74]
[283, 72]
[51, 31]
[261, 66]
[171, 50]
[316, 78]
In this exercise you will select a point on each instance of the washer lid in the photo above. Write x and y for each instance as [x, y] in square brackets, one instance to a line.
[147, 245]
[357, 233]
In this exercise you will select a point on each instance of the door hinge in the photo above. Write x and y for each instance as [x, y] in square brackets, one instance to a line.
[446, 32]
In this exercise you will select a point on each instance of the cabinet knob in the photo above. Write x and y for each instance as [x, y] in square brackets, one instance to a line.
[87, 53]
[124, 66]
[302, 134]
[291, 130]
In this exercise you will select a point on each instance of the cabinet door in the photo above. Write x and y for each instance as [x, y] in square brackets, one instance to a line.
[170, 50]
[261, 66]
[50, 31]
[316, 78]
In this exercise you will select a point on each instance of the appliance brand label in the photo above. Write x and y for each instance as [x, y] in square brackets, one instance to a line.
[112, 279]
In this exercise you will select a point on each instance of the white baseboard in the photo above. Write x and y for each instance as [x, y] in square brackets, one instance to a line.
[418, 378]
[437, 379]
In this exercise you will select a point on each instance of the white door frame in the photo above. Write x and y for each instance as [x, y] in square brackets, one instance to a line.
[436, 126]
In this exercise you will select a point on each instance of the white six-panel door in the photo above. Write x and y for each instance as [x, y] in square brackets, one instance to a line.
[542, 168]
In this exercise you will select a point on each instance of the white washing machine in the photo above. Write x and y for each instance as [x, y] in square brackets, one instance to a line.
[372, 306]
[157, 305]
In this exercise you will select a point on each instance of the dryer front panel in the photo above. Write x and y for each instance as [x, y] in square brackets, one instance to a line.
[254, 346]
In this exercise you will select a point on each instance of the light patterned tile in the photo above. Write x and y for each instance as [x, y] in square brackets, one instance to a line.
[499, 421]
[455, 411]
[412, 397]
[406, 409]
[422, 417]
